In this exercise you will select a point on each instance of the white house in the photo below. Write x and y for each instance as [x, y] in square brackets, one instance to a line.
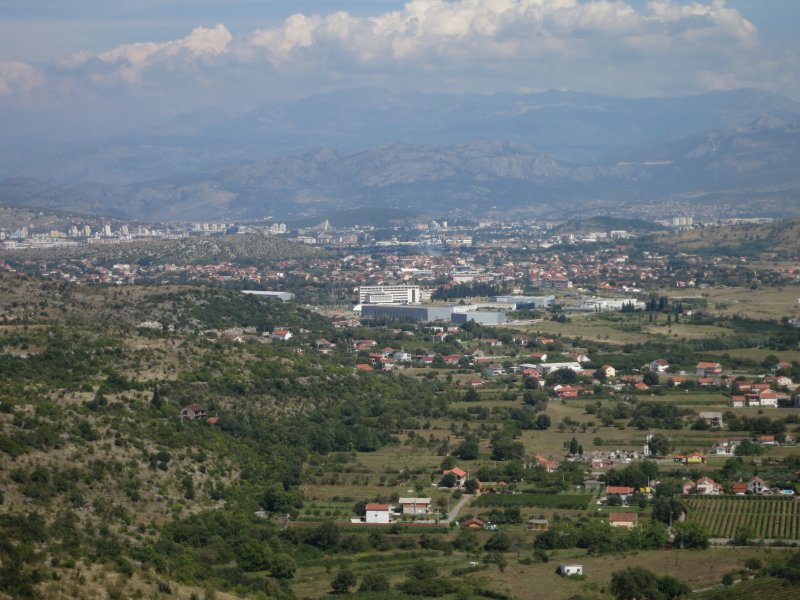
[281, 335]
[757, 486]
[659, 366]
[725, 447]
[567, 570]
[415, 506]
[494, 370]
[378, 513]
[609, 371]
[709, 487]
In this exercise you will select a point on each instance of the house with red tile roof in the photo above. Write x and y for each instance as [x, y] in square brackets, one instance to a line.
[378, 513]
[545, 463]
[708, 368]
[622, 491]
[622, 519]
[460, 474]
[739, 489]
[659, 365]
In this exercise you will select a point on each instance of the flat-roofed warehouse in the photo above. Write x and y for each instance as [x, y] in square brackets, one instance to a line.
[282, 296]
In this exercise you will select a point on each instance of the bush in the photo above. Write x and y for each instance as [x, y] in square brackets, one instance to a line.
[374, 582]
[344, 580]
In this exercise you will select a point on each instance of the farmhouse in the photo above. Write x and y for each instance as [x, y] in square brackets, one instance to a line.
[739, 489]
[622, 491]
[460, 475]
[281, 335]
[378, 513]
[707, 369]
[473, 523]
[712, 419]
[705, 486]
[659, 366]
[548, 465]
[626, 520]
[415, 506]
[609, 371]
[757, 486]
[193, 412]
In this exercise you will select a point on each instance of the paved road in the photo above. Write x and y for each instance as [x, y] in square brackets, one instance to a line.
[453, 514]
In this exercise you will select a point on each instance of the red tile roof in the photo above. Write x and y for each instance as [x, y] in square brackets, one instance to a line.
[622, 517]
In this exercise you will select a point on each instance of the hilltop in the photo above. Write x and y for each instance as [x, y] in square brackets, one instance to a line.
[780, 238]
[242, 249]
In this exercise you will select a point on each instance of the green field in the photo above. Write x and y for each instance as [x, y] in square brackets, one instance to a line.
[569, 501]
[766, 518]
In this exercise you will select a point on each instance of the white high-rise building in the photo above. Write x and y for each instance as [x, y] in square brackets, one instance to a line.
[389, 294]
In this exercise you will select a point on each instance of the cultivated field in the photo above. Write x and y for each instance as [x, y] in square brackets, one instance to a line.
[765, 518]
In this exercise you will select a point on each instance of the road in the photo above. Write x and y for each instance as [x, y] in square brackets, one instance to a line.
[453, 514]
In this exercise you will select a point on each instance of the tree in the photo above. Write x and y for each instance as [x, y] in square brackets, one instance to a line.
[542, 422]
[573, 446]
[499, 542]
[282, 566]
[743, 535]
[156, 401]
[671, 587]
[325, 537]
[690, 535]
[634, 583]
[468, 449]
[448, 481]
[505, 448]
[659, 444]
[650, 378]
[344, 580]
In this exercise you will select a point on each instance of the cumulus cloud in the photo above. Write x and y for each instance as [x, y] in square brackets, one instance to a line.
[436, 30]
[606, 46]
[18, 78]
[130, 60]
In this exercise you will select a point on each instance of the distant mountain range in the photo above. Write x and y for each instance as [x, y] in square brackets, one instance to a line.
[371, 148]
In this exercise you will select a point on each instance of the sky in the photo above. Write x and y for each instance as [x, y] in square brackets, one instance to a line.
[93, 65]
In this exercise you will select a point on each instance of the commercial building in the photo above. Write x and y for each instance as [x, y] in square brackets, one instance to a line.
[482, 317]
[389, 294]
[459, 313]
[521, 302]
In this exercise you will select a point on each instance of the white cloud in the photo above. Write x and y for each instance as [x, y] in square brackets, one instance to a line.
[130, 60]
[440, 31]
[18, 78]
[605, 46]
